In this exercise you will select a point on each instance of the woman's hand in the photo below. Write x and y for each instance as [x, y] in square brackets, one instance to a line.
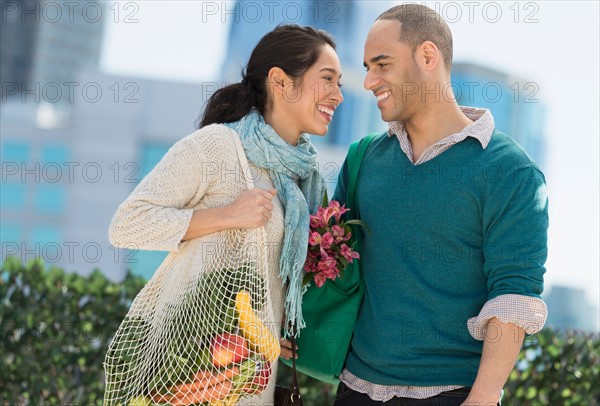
[251, 209]
[286, 349]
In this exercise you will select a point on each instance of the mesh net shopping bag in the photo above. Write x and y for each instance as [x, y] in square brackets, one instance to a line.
[199, 331]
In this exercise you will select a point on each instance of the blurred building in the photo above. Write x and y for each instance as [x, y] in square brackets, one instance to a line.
[513, 101]
[61, 186]
[568, 308]
[45, 44]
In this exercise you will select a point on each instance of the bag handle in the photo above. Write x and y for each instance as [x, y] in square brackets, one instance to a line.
[295, 387]
[295, 395]
[356, 154]
[242, 157]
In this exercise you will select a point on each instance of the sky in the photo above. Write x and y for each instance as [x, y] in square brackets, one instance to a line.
[555, 44]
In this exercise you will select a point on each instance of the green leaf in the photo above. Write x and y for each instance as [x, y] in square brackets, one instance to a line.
[325, 201]
[360, 224]
[566, 393]
[308, 277]
[531, 392]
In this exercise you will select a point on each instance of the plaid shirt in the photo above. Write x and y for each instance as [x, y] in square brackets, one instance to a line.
[529, 313]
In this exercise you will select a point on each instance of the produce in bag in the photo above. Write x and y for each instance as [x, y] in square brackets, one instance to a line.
[198, 333]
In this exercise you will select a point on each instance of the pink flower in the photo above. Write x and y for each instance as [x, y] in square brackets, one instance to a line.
[339, 234]
[326, 264]
[310, 266]
[319, 279]
[348, 253]
[322, 215]
[329, 213]
[344, 210]
[337, 210]
[314, 238]
[331, 273]
[312, 254]
[326, 240]
[316, 222]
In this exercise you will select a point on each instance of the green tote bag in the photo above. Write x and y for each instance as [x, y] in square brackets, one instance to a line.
[330, 311]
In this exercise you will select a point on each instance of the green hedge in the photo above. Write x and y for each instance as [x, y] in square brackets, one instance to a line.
[56, 327]
[556, 368]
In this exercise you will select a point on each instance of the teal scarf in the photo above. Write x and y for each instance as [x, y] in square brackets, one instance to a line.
[287, 164]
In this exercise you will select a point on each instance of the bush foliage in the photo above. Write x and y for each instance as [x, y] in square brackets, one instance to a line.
[56, 327]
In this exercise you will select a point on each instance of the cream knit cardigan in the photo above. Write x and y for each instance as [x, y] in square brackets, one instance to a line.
[200, 171]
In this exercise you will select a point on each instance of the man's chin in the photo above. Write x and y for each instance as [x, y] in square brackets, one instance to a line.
[386, 117]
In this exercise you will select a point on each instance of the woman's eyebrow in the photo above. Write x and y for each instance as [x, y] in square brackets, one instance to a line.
[331, 70]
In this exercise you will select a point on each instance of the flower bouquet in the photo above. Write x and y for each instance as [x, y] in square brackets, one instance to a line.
[330, 304]
[329, 249]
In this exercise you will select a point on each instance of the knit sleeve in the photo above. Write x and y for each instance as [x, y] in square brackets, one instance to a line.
[515, 225]
[154, 216]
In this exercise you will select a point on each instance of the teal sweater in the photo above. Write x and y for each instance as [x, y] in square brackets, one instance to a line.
[446, 236]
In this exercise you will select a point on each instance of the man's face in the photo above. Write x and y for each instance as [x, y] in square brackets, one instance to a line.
[392, 73]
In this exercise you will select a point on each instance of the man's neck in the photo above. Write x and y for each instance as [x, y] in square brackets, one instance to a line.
[433, 125]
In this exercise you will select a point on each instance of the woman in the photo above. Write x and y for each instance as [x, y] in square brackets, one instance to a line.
[290, 87]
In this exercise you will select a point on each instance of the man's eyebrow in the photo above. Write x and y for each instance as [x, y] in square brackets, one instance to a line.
[376, 59]
[330, 70]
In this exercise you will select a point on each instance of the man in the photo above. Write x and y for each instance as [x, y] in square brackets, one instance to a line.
[454, 262]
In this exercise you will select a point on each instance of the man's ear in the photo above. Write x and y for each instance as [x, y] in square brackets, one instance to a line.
[429, 56]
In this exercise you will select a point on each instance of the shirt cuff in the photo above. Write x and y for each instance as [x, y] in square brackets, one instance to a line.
[529, 313]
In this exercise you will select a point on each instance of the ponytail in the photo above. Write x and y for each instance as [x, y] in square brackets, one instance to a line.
[228, 104]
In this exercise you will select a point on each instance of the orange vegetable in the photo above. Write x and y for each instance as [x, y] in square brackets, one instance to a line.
[212, 393]
[203, 381]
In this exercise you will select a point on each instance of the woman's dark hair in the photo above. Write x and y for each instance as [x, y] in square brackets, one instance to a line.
[292, 48]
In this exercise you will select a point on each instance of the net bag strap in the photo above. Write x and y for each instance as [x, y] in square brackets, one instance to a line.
[243, 159]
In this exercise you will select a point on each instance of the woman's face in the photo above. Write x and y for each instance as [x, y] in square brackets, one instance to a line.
[309, 105]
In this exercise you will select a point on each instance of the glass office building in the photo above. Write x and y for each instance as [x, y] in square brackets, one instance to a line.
[513, 101]
[44, 46]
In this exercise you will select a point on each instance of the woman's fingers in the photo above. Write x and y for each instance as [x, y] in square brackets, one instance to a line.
[286, 349]
[253, 208]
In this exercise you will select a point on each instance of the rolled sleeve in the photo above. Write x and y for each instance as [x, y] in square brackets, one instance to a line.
[526, 312]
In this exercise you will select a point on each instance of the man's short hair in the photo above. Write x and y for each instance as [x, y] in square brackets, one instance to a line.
[419, 24]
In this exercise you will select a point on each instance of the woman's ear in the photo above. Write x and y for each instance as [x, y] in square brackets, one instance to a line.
[277, 79]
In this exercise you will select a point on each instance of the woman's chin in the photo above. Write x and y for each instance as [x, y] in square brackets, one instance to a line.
[321, 130]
